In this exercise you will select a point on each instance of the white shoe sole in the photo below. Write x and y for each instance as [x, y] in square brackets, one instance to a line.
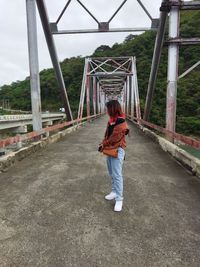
[117, 210]
[109, 199]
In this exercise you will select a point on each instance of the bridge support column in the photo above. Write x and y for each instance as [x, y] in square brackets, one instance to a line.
[33, 64]
[127, 95]
[124, 100]
[102, 102]
[94, 95]
[135, 84]
[88, 96]
[98, 97]
[172, 76]
[132, 97]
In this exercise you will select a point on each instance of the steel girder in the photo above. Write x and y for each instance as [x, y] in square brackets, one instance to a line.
[105, 25]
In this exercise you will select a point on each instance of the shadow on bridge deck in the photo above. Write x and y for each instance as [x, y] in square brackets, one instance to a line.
[53, 212]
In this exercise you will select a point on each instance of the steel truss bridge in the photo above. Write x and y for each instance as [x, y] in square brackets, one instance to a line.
[106, 78]
[52, 208]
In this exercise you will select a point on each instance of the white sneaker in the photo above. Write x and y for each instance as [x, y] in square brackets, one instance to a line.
[110, 196]
[118, 205]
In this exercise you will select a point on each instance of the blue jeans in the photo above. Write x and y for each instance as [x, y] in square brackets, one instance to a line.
[115, 172]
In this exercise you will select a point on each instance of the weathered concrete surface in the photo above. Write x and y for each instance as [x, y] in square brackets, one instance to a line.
[11, 158]
[186, 159]
[53, 213]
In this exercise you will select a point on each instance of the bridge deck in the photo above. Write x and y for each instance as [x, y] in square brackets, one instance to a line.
[53, 212]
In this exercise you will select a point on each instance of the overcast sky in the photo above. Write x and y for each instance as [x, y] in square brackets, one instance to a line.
[13, 43]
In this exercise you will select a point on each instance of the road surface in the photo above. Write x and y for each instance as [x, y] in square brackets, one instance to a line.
[53, 212]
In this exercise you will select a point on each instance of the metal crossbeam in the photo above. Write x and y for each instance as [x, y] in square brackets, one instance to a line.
[54, 30]
[184, 41]
[103, 26]
[110, 65]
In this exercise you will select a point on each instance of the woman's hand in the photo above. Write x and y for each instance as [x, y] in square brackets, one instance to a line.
[100, 149]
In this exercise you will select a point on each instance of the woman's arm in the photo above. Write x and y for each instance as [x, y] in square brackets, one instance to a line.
[115, 137]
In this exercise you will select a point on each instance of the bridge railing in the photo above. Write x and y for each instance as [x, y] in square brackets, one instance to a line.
[195, 143]
[45, 131]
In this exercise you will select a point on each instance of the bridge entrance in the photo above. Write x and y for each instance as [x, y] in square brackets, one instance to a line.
[110, 78]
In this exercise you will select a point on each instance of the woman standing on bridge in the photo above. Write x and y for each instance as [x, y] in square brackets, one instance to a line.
[113, 146]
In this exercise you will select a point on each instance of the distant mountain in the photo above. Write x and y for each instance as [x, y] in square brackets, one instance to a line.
[188, 96]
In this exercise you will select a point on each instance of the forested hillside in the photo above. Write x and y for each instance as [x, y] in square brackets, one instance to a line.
[188, 98]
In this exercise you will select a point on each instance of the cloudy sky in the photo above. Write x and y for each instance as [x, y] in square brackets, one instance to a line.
[13, 42]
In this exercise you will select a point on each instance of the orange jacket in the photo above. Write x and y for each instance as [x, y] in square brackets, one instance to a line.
[117, 137]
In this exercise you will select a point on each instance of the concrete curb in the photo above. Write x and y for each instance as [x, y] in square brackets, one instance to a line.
[12, 158]
[190, 162]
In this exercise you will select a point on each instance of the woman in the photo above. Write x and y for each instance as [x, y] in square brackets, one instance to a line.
[113, 146]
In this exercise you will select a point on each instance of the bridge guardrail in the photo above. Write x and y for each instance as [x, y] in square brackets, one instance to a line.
[34, 134]
[173, 135]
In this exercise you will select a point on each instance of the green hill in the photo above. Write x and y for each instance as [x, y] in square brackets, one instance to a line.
[188, 96]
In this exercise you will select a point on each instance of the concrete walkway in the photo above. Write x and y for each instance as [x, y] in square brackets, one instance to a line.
[53, 212]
